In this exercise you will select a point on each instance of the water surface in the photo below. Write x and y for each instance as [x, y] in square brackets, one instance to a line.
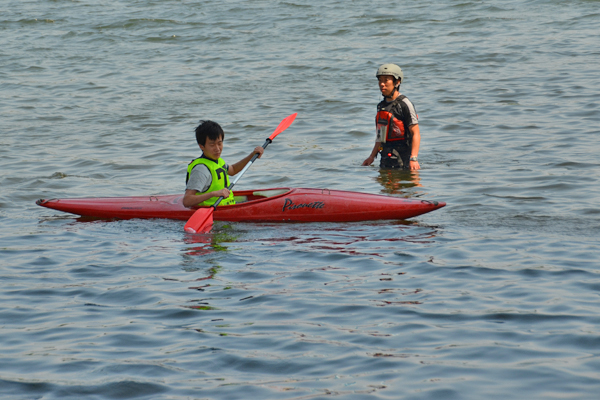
[494, 296]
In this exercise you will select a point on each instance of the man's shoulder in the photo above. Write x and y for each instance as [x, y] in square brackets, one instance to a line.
[404, 102]
[201, 169]
[402, 98]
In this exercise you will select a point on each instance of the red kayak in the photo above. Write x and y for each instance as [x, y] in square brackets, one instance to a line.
[266, 205]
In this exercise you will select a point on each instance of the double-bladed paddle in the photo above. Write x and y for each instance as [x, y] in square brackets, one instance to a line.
[202, 219]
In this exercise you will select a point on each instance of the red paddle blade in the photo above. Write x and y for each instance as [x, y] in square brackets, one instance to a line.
[200, 221]
[283, 125]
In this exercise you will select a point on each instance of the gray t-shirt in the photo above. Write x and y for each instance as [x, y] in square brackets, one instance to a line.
[200, 178]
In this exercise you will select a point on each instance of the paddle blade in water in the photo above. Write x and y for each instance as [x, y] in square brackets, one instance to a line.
[283, 125]
[200, 221]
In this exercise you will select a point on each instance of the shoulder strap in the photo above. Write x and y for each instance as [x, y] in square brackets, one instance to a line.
[392, 103]
[399, 99]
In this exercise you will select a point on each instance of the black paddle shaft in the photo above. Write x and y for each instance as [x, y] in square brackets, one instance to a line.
[264, 146]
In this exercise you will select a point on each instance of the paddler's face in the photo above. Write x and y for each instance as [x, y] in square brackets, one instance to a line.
[386, 85]
[212, 148]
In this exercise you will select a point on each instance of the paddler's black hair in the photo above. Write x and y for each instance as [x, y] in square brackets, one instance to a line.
[208, 129]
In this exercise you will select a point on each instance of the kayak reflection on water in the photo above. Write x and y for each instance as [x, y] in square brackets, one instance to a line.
[397, 181]
[204, 244]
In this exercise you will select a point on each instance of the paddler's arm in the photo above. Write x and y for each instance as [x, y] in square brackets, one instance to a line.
[374, 152]
[415, 133]
[238, 166]
[191, 199]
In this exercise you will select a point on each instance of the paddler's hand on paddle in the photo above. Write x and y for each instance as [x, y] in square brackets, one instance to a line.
[258, 150]
[238, 166]
[221, 193]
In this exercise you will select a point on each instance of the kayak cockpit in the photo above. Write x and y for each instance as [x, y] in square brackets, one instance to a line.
[251, 195]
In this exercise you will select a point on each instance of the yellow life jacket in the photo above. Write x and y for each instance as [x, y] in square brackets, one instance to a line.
[220, 179]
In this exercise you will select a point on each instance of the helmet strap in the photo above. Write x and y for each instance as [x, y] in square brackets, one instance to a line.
[396, 89]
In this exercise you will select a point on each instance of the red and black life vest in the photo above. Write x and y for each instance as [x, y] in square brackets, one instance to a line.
[390, 128]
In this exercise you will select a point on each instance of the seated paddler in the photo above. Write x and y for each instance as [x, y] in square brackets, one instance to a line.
[207, 176]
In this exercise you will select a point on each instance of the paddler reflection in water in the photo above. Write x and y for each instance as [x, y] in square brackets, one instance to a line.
[206, 178]
[399, 181]
[398, 137]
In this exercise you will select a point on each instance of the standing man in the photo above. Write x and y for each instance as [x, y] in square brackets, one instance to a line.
[397, 122]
